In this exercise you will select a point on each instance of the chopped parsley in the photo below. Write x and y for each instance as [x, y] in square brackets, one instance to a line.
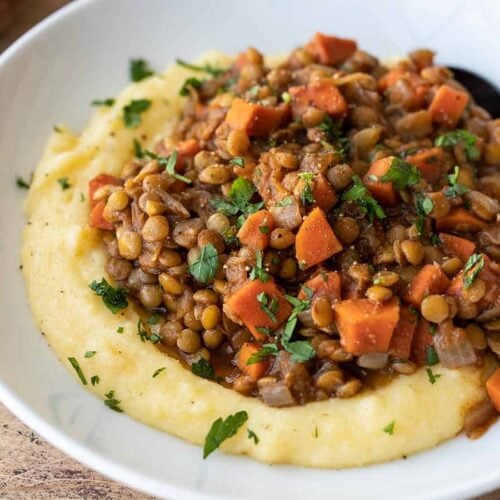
[114, 299]
[154, 319]
[334, 134]
[203, 369]
[169, 163]
[145, 335]
[402, 174]
[139, 70]
[119, 329]
[258, 271]
[222, 430]
[469, 141]
[264, 229]
[285, 202]
[431, 357]
[205, 267]
[240, 194]
[473, 266]
[111, 402]
[206, 68]
[239, 161]
[103, 102]
[22, 184]
[158, 371]
[286, 97]
[132, 112]
[306, 196]
[265, 330]
[90, 354]
[389, 428]
[270, 307]
[252, 435]
[138, 151]
[190, 83]
[64, 183]
[78, 370]
[368, 205]
[455, 189]
[264, 353]
[432, 376]
[94, 380]
[423, 207]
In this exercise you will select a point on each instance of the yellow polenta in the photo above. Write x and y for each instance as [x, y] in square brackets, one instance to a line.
[62, 255]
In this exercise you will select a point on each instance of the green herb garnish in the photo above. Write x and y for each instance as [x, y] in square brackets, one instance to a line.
[460, 136]
[64, 183]
[423, 207]
[285, 202]
[169, 163]
[22, 184]
[258, 271]
[119, 329]
[190, 83]
[94, 380]
[139, 70]
[103, 102]
[239, 161]
[138, 151]
[432, 376]
[111, 402]
[158, 371]
[78, 370]
[264, 229]
[455, 189]
[252, 435]
[114, 299]
[473, 266]
[222, 430]
[206, 68]
[402, 174]
[306, 196]
[389, 428]
[90, 354]
[203, 369]
[132, 112]
[431, 357]
[240, 195]
[270, 307]
[264, 353]
[286, 97]
[205, 267]
[368, 205]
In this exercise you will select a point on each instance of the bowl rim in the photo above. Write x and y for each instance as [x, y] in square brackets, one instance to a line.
[99, 462]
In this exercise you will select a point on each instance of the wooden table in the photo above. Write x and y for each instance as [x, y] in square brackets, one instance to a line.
[30, 468]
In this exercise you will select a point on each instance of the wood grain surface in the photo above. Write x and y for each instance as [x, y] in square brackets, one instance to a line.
[30, 468]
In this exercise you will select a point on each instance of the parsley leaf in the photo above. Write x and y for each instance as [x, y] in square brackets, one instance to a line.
[222, 430]
[473, 267]
[95, 379]
[22, 184]
[145, 335]
[103, 102]
[460, 136]
[205, 267]
[132, 112]
[169, 163]
[78, 370]
[139, 69]
[240, 194]
[431, 357]
[239, 161]
[432, 376]
[286, 97]
[270, 307]
[252, 435]
[206, 68]
[158, 371]
[334, 134]
[368, 205]
[423, 206]
[285, 202]
[90, 354]
[266, 351]
[119, 329]
[64, 183]
[306, 196]
[111, 402]
[115, 299]
[455, 189]
[402, 174]
[203, 369]
[389, 428]
[258, 270]
[190, 83]
[138, 151]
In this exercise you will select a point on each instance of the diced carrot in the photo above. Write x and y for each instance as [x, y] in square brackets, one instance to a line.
[429, 162]
[254, 119]
[417, 84]
[457, 247]
[244, 304]
[402, 337]
[422, 340]
[460, 220]
[493, 389]
[323, 284]
[330, 49]
[390, 78]
[100, 181]
[366, 326]
[97, 219]
[323, 193]
[322, 94]
[254, 370]
[430, 280]
[254, 232]
[383, 192]
[315, 240]
[448, 105]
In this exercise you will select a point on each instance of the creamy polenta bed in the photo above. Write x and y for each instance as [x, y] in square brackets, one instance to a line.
[293, 259]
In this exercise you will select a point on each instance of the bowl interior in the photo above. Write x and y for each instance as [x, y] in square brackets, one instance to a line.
[82, 53]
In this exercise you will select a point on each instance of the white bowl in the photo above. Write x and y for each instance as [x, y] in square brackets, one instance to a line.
[81, 53]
